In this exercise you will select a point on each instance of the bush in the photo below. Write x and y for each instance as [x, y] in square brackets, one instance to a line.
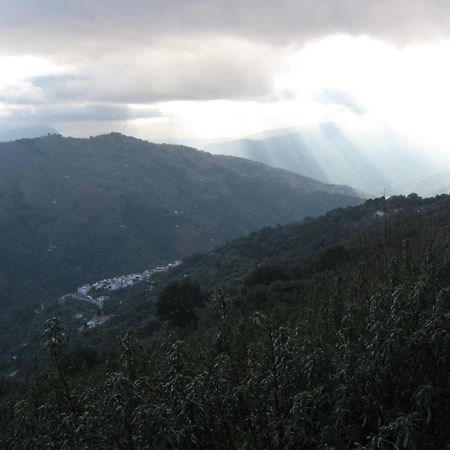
[331, 258]
[76, 360]
[177, 302]
[265, 275]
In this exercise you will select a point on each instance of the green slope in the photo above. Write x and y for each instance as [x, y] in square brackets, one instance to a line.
[330, 333]
[78, 210]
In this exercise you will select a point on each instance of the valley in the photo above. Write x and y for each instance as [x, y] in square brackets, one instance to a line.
[224, 225]
[74, 211]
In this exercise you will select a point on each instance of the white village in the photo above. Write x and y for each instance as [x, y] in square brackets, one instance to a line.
[86, 291]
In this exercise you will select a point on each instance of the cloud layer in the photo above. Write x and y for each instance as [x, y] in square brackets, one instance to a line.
[108, 55]
[64, 26]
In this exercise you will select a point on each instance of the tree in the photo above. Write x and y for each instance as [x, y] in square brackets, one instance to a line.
[332, 257]
[265, 275]
[178, 300]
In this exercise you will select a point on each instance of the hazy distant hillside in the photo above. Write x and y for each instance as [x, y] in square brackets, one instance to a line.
[430, 186]
[331, 155]
[77, 210]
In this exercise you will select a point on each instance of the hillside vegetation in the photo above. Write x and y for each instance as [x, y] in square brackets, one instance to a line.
[331, 333]
[78, 210]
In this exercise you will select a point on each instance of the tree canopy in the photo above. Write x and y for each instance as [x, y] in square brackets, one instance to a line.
[178, 300]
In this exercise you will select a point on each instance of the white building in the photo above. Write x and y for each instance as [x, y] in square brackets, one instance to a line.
[99, 285]
[115, 284]
[91, 323]
[83, 290]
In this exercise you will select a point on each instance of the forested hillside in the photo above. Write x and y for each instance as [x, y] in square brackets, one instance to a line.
[78, 210]
[331, 333]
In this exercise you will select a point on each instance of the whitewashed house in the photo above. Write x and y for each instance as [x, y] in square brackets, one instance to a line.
[83, 290]
[115, 284]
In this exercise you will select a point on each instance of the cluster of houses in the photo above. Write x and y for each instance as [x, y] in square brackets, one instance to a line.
[124, 281]
[113, 284]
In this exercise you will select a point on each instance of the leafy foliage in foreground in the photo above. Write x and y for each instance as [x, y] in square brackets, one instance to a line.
[359, 359]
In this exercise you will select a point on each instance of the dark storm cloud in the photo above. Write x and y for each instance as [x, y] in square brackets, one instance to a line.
[147, 51]
[86, 25]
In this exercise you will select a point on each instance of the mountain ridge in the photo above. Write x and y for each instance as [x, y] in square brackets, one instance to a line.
[78, 210]
[331, 154]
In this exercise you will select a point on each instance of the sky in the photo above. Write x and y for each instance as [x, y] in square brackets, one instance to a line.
[201, 71]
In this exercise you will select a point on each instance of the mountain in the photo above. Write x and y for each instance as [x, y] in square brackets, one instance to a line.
[78, 210]
[334, 155]
[329, 333]
[430, 186]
